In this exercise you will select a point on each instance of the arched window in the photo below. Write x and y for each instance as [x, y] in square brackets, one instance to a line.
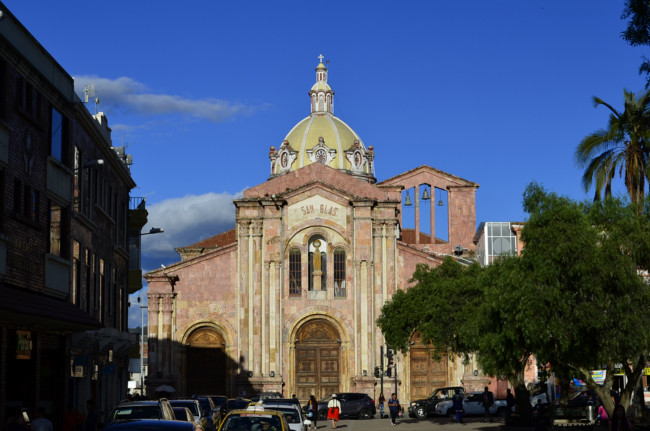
[317, 263]
[339, 273]
[295, 273]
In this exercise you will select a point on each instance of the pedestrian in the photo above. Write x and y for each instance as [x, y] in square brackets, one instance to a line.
[312, 409]
[333, 411]
[393, 408]
[381, 400]
[14, 421]
[72, 419]
[91, 417]
[457, 399]
[510, 402]
[488, 402]
[618, 421]
[41, 423]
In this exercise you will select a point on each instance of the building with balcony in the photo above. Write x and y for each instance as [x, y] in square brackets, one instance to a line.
[65, 221]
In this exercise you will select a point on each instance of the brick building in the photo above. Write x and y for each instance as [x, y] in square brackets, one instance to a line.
[287, 300]
[69, 243]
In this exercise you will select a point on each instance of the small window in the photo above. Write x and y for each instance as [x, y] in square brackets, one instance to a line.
[56, 128]
[55, 229]
[339, 273]
[295, 273]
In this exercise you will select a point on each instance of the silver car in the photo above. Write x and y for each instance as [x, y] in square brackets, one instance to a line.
[292, 413]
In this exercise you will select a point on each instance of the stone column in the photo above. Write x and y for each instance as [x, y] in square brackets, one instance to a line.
[167, 305]
[153, 362]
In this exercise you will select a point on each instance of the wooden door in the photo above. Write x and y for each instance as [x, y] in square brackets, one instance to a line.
[318, 360]
[206, 363]
[427, 373]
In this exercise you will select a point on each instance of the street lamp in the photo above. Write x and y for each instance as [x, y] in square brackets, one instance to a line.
[142, 307]
[153, 230]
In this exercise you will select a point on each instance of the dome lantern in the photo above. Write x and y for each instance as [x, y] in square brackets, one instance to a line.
[321, 94]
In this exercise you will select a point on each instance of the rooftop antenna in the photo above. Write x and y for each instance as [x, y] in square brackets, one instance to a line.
[89, 91]
[96, 104]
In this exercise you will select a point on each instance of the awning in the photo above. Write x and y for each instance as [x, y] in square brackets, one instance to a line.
[26, 308]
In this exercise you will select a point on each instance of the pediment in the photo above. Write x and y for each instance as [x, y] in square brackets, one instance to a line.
[317, 173]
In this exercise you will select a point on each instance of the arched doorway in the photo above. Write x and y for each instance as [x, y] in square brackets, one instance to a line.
[427, 372]
[318, 359]
[206, 362]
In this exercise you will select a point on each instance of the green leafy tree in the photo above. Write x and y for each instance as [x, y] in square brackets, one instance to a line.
[584, 261]
[574, 298]
[637, 32]
[622, 148]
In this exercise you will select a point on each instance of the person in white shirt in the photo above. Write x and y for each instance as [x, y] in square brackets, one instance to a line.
[333, 410]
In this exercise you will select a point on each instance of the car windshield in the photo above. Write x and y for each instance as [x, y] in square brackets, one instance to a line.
[189, 404]
[135, 412]
[252, 422]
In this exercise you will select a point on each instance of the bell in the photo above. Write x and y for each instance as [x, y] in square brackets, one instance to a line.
[441, 203]
[407, 201]
[425, 195]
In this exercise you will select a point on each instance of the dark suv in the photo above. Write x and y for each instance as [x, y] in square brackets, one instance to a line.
[353, 405]
[422, 408]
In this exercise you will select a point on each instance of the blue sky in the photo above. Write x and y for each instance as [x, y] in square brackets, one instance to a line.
[497, 92]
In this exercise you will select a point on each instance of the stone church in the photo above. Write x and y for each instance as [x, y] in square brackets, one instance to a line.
[287, 300]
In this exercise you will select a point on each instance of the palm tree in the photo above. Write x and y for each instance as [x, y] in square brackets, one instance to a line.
[623, 147]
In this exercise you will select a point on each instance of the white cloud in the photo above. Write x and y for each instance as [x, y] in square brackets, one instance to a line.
[186, 220]
[130, 95]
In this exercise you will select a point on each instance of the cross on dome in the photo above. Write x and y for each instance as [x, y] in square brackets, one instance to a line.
[321, 57]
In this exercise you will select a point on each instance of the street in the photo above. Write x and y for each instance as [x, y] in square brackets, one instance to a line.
[410, 424]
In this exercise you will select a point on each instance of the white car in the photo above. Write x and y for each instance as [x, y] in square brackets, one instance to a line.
[473, 405]
[292, 412]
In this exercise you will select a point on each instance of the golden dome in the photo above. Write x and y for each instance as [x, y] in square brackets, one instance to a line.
[323, 138]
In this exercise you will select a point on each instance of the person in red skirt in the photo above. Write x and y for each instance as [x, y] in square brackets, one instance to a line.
[333, 410]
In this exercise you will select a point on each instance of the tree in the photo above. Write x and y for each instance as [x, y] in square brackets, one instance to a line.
[574, 297]
[637, 32]
[623, 146]
[584, 260]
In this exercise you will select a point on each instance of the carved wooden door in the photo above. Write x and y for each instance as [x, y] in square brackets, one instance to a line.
[318, 360]
[427, 373]
[206, 363]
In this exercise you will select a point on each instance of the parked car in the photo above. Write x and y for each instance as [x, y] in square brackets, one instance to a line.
[289, 401]
[208, 412]
[149, 425]
[353, 405]
[194, 407]
[473, 405]
[254, 418]
[186, 415]
[422, 408]
[221, 409]
[292, 413]
[143, 409]
[264, 395]
[237, 403]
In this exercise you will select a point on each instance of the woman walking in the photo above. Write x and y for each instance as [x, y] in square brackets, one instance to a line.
[312, 408]
[381, 400]
[333, 410]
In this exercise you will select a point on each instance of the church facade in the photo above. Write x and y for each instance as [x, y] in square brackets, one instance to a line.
[287, 300]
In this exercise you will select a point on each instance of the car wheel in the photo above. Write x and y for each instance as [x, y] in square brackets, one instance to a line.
[449, 413]
[420, 413]
[322, 415]
[365, 414]
[502, 412]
